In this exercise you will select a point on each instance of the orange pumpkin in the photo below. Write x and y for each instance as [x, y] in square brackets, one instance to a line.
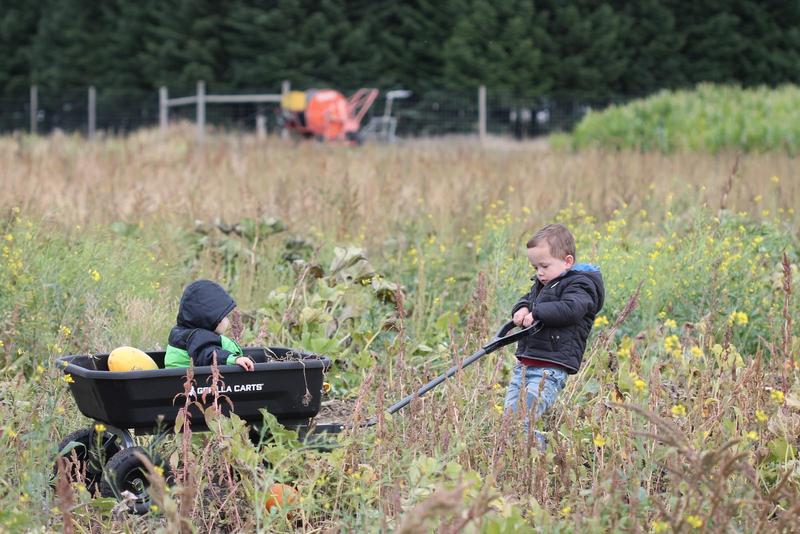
[281, 495]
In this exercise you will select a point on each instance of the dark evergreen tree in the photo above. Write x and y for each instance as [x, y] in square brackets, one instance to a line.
[650, 42]
[307, 42]
[18, 23]
[584, 55]
[771, 33]
[410, 37]
[713, 43]
[68, 49]
[123, 72]
[182, 44]
[497, 45]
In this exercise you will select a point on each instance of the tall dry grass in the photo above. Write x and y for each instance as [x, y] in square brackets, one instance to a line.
[150, 176]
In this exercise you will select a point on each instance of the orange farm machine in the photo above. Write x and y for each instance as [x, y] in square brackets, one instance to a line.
[326, 114]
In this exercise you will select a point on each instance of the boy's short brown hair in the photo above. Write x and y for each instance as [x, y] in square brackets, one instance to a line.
[558, 238]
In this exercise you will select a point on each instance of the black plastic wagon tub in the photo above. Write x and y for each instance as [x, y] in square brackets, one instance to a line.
[289, 386]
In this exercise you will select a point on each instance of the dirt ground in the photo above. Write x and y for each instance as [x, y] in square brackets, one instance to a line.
[335, 411]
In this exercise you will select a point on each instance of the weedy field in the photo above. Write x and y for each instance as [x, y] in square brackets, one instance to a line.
[396, 262]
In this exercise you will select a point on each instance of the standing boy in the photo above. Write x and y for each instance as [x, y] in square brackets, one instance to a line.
[564, 299]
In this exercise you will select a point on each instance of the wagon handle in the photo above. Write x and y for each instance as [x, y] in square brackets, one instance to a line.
[503, 337]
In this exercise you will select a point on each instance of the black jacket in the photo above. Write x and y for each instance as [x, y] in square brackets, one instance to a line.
[203, 305]
[566, 308]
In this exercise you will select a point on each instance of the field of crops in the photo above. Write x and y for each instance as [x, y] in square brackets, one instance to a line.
[395, 262]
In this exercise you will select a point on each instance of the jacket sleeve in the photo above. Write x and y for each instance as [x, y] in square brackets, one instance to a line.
[524, 302]
[201, 346]
[577, 300]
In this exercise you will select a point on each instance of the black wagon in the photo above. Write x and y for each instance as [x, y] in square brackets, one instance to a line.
[124, 404]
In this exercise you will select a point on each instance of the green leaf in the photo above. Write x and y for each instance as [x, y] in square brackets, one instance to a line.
[422, 349]
[781, 451]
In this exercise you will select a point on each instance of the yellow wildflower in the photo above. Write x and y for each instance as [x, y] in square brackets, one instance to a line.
[625, 346]
[640, 384]
[671, 343]
[777, 396]
[65, 331]
[761, 416]
[99, 427]
[95, 275]
[678, 410]
[599, 440]
[696, 351]
[657, 527]
[694, 521]
[566, 511]
[752, 435]
[158, 469]
[498, 408]
[602, 320]
[154, 508]
[670, 323]
[738, 318]
[774, 179]
[68, 378]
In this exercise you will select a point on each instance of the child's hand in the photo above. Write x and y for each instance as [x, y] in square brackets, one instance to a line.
[245, 363]
[519, 315]
[527, 320]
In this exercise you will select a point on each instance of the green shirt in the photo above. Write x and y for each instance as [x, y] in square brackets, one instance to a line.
[176, 357]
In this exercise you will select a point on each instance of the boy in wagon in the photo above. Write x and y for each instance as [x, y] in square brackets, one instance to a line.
[564, 298]
[202, 322]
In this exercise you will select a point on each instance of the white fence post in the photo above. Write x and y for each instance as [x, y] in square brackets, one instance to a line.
[201, 111]
[163, 109]
[34, 108]
[92, 112]
[482, 113]
[261, 126]
[286, 86]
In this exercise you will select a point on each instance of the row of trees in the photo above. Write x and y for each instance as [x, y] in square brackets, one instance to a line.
[530, 47]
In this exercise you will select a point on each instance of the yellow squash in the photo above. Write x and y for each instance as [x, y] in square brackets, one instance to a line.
[124, 359]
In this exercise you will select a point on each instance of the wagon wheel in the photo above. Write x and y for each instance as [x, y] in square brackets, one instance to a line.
[92, 451]
[126, 472]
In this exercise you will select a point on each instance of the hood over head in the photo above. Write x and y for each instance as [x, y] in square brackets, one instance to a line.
[203, 305]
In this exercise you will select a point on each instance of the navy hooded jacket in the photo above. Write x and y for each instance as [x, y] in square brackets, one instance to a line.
[203, 306]
[566, 307]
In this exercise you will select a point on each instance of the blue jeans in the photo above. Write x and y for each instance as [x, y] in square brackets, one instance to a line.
[554, 381]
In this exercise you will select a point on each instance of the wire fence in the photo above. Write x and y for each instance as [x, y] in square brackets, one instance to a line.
[432, 113]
